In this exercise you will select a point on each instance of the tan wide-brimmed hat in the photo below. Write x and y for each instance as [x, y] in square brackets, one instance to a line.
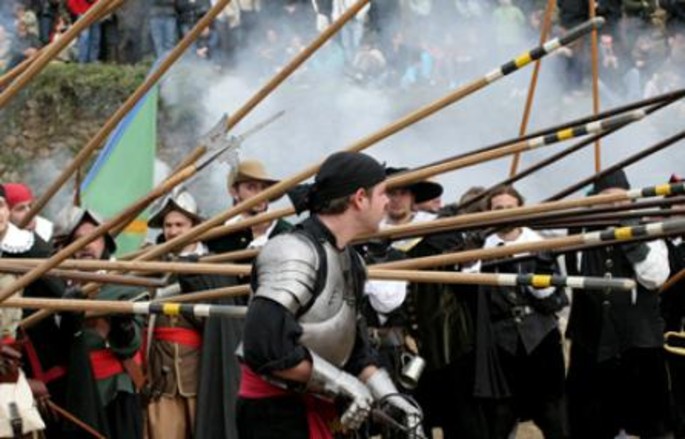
[252, 170]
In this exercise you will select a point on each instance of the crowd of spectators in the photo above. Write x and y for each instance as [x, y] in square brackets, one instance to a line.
[390, 43]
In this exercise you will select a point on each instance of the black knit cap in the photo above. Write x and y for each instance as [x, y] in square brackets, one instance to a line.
[341, 174]
[616, 179]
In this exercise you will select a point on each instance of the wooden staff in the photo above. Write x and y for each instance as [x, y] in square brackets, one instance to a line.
[74, 420]
[208, 295]
[544, 32]
[503, 279]
[519, 213]
[105, 278]
[409, 177]
[124, 109]
[614, 235]
[141, 266]
[420, 114]
[607, 219]
[126, 307]
[677, 94]
[622, 164]
[238, 255]
[594, 47]
[52, 50]
[18, 69]
[552, 159]
[245, 223]
[673, 280]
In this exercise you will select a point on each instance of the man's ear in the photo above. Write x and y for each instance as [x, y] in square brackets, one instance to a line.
[357, 199]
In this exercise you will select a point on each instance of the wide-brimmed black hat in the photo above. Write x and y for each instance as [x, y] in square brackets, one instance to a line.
[613, 180]
[422, 190]
[71, 218]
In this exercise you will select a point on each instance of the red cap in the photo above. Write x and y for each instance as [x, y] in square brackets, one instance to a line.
[16, 193]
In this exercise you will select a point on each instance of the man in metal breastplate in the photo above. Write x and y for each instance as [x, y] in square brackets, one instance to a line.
[305, 350]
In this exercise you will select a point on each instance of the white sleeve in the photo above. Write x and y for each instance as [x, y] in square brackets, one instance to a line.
[653, 272]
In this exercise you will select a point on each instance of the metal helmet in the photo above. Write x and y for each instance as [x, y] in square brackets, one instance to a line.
[179, 200]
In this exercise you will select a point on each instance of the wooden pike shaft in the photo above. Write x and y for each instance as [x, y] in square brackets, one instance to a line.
[670, 96]
[124, 109]
[238, 255]
[207, 295]
[519, 213]
[554, 158]
[227, 229]
[100, 230]
[416, 116]
[610, 235]
[74, 420]
[52, 50]
[105, 278]
[594, 49]
[126, 307]
[502, 279]
[143, 267]
[17, 70]
[544, 32]
[591, 128]
[622, 164]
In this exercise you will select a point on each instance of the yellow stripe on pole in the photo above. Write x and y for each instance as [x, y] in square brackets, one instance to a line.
[623, 233]
[523, 60]
[565, 134]
[542, 280]
[171, 309]
[663, 189]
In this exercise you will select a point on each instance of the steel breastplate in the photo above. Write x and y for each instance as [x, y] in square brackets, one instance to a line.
[329, 325]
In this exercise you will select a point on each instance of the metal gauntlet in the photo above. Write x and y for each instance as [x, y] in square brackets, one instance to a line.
[329, 380]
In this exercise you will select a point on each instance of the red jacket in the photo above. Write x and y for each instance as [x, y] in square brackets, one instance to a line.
[80, 7]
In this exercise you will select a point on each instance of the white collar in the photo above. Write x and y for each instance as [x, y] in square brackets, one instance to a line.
[199, 250]
[17, 240]
[526, 235]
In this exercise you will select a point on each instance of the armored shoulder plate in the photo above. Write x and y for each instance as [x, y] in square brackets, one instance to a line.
[286, 271]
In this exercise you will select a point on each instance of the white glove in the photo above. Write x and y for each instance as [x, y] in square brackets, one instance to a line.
[322, 22]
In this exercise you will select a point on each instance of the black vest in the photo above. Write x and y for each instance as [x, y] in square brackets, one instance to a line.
[606, 323]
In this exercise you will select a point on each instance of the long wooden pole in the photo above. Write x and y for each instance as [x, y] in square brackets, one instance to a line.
[74, 420]
[519, 213]
[99, 137]
[552, 159]
[544, 32]
[620, 165]
[20, 266]
[52, 50]
[536, 142]
[594, 50]
[671, 227]
[676, 94]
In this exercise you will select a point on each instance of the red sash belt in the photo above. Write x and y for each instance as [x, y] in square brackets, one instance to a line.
[105, 364]
[320, 414]
[183, 336]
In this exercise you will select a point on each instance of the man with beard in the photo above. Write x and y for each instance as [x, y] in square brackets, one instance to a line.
[251, 178]
[520, 362]
[617, 378]
[113, 343]
[20, 199]
[52, 344]
[220, 371]
[303, 335]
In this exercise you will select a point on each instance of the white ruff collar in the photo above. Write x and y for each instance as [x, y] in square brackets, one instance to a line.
[16, 240]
